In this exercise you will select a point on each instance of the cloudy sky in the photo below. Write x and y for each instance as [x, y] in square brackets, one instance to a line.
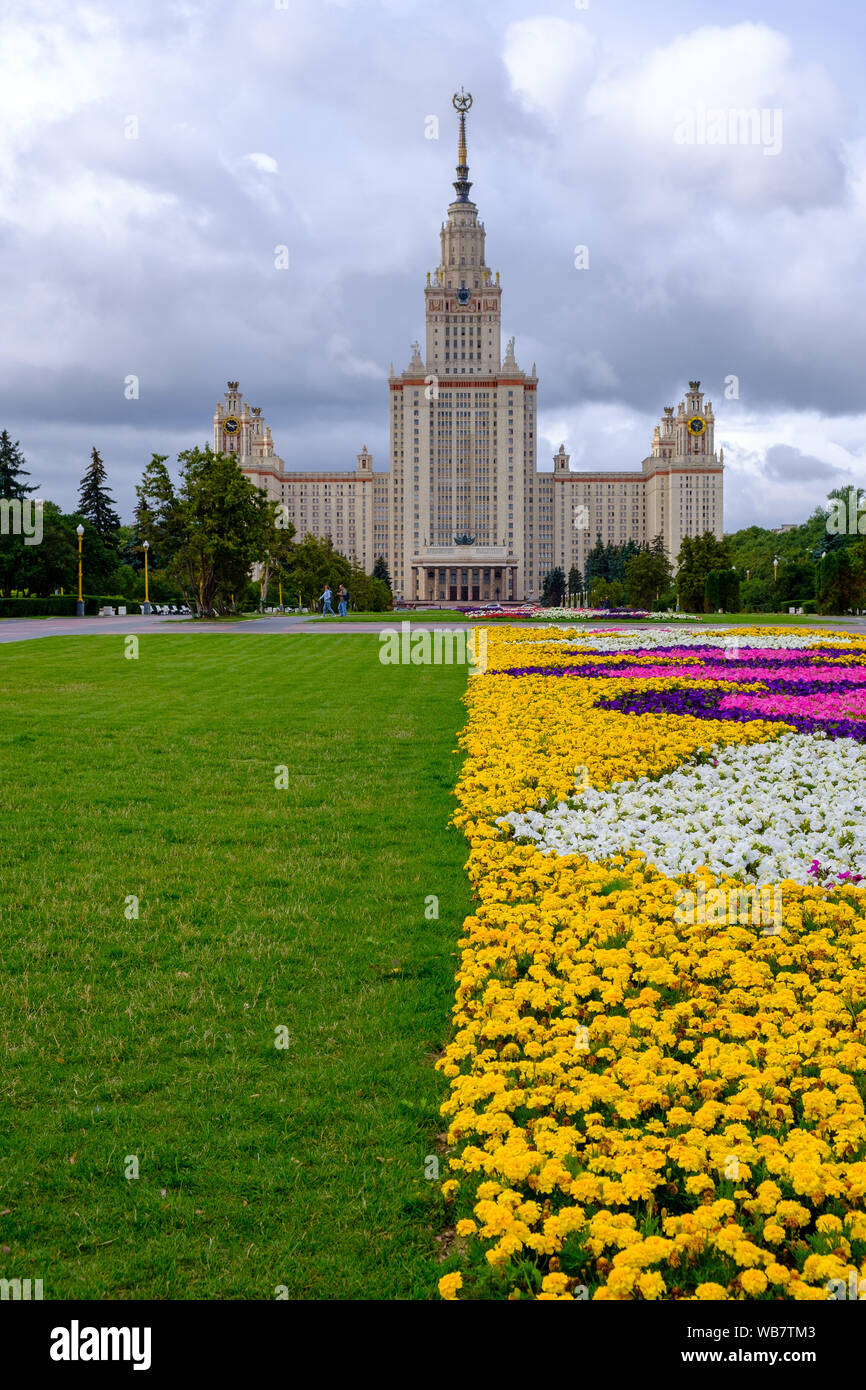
[152, 157]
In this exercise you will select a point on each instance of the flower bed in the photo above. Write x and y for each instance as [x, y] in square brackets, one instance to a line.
[622, 615]
[653, 1094]
[536, 613]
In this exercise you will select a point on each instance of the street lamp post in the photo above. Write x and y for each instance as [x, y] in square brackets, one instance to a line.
[145, 607]
[79, 608]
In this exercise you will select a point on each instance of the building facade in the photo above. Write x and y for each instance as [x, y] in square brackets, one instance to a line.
[463, 511]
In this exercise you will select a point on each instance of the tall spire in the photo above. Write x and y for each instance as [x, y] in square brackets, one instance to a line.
[461, 101]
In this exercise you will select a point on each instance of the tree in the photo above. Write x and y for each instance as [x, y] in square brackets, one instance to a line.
[278, 553]
[368, 593]
[380, 571]
[210, 531]
[834, 582]
[12, 562]
[606, 593]
[698, 556]
[757, 595]
[611, 561]
[315, 563]
[53, 564]
[553, 590]
[729, 591]
[596, 564]
[95, 502]
[575, 582]
[647, 574]
[11, 468]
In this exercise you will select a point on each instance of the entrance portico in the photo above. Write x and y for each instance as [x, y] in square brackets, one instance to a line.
[464, 574]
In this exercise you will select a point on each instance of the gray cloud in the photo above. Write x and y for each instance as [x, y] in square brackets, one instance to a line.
[785, 462]
[305, 127]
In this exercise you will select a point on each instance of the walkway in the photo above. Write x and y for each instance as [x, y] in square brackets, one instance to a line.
[25, 629]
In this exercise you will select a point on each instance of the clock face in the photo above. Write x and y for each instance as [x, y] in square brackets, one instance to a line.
[463, 295]
[697, 425]
[231, 424]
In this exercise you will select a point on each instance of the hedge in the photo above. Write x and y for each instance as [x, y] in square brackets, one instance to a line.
[63, 606]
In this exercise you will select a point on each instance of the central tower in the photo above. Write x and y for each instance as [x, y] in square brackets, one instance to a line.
[462, 428]
[469, 341]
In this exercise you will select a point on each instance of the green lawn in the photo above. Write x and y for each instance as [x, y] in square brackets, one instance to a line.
[259, 908]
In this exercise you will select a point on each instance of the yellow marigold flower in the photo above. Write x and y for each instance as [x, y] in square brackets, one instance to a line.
[702, 1182]
[465, 1227]
[450, 1189]
[488, 1190]
[722, 1208]
[778, 1274]
[709, 1292]
[449, 1285]
[555, 1284]
[793, 1214]
[530, 1212]
[638, 1186]
[651, 1285]
[855, 1225]
[828, 1223]
[621, 1281]
[806, 1293]
[745, 1253]
[820, 1268]
[752, 1281]
[773, 1233]
[496, 1256]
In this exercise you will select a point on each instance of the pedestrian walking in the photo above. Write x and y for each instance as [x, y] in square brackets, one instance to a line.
[343, 597]
[326, 602]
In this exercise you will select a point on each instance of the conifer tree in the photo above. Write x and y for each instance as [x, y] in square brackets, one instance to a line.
[11, 468]
[95, 502]
[380, 570]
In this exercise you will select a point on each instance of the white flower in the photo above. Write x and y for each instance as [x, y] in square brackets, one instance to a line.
[764, 813]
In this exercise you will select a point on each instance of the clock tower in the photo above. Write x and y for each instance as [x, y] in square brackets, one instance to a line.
[463, 421]
[462, 299]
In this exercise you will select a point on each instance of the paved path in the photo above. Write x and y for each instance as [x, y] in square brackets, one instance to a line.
[25, 629]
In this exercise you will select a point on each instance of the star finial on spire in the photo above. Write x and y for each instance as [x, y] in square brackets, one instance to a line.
[461, 101]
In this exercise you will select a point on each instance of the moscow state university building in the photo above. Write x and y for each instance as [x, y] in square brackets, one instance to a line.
[462, 511]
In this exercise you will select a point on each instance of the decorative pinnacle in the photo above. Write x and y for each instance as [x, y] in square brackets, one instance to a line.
[461, 101]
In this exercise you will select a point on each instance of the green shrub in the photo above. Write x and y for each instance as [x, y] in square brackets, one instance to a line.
[55, 606]
[62, 606]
